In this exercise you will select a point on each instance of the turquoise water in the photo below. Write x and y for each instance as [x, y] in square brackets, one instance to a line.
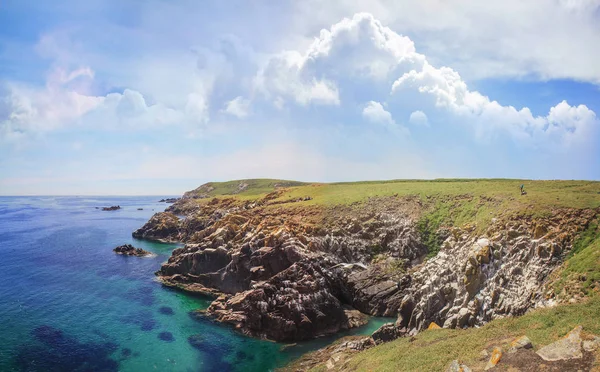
[68, 303]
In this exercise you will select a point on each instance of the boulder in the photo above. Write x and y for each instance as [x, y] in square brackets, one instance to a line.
[494, 358]
[456, 366]
[522, 342]
[569, 347]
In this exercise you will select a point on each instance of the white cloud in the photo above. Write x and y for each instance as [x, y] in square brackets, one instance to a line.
[283, 77]
[418, 118]
[239, 107]
[356, 59]
[565, 124]
[376, 113]
[512, 38]
[28, 109]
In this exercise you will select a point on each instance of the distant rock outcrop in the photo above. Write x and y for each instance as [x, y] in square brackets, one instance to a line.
[163, 227]
[130, 250]
[113, 208]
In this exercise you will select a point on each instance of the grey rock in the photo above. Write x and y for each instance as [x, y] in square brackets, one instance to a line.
[456, 366]
[566, 348]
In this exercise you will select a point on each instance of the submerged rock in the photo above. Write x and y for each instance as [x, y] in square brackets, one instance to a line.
[166, 336]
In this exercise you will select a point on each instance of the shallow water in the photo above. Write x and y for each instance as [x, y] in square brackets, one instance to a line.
[68, 303]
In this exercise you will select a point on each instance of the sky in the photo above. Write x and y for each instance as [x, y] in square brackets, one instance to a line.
[157, 97]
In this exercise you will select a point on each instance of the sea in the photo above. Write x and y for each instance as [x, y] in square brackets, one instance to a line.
[69, 303]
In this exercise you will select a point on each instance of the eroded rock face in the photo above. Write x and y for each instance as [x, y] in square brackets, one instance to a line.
[476, 278]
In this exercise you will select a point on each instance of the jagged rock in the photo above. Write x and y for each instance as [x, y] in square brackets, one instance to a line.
[130, 250]
[387, 332]
[296, 304]
[522, 342]
[456, 366]
[113, 208]
[494, 359]
[463, 317]
[267, 263]
[568, 347]
[163, 226]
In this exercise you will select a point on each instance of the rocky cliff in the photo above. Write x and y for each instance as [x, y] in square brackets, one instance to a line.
[283, 267]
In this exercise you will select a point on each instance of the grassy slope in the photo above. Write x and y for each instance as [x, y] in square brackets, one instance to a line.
[541, 196]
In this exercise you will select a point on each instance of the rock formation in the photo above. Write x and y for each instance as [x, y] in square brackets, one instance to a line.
[283, 270]
[130, 250]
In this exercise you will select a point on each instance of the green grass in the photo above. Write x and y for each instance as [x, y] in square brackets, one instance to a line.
[581, 271]
[505, 193]
[433, 350]
[255, 188]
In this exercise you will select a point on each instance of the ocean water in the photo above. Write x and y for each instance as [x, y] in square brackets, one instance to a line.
[68, 303]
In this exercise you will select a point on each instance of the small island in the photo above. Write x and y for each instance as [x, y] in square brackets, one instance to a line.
[113, 208]
[130, 250]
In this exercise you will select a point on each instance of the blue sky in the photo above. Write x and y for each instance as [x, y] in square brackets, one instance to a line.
[157, 97]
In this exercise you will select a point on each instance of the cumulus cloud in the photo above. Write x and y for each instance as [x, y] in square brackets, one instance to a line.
[512, 38]
[284, 78]
[361, 55]
[418, 118]
[239, 107]
[563, 125]
[376, 113]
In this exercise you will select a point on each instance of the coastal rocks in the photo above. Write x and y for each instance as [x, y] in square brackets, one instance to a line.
[297, 272]
[130, 250]
[299, 303]
[168, 200]
[113, 208]
[163, 227]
